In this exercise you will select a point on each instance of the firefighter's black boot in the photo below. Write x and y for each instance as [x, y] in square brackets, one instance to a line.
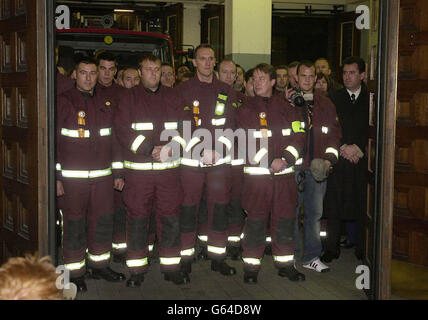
[177, 277]
[80, 284]
[291, 273]
[107, 274]
[250, 277]
[186, 269]
[135, 280]
[222, 267]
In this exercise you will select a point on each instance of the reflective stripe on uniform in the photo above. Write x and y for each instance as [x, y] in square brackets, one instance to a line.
[216, 250]
[323, 234]
[151, 247]
[259, 135]
[189, 162]
[169, 261]
[224, 160]
[293, 151]
[171, 125]
[142, 126]
[286, 132]
[74, 133]
[99, 258]
[117, 165]
[218, 122]
[136, 263]
[151, 166]
[193, 142]
[105, 132]
[75, 266]
[324, 130]
[234, 238]
[263, 171]
[283, 258]
[86, 174]
[58, 167]
[203, 238]
[252, 261]
[237, 162]
[268, 239]
[299, 162]
[260, 154]
[226, 142]
[187, 252]
[332, 150]
[119, 246]
[137, 143]
[219, 108]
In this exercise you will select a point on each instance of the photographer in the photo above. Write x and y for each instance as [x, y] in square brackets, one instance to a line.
[321, 152]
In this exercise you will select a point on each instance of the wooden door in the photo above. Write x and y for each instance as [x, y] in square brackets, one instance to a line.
[212, 28]
[410, 238]
[23, 134]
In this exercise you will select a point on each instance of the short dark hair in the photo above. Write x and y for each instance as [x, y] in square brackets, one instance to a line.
[166, 64]
[84, 60]
[306, 63]
[322, 58]
[148, 57]
[248, 74]
[203, 46]
[266, 68]
[106, 56]
[293, 64]
[359, 61]
[227, 60]
[282, 66]
[321, 75]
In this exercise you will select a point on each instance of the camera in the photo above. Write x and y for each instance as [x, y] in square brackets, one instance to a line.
[297, 98]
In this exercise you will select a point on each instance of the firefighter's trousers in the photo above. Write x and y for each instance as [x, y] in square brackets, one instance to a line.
[144, 192]
[217, 189]
[87, 211]
[265, 197]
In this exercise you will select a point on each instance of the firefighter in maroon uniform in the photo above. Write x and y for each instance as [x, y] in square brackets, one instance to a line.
[107, 69]
[206, 161]
[275, 142]
[151, 175]
[85, 169]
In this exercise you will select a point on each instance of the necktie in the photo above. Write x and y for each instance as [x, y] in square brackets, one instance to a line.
[353, 98]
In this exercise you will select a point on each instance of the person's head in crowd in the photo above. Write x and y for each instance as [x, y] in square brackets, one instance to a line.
[65, 62]
[292, 73]
[130, 77]
[264, 77]
[167, 75]
[86, 74]
[181, 70]
[306, 76]
[107, 68]
[239, 82]
[150, 71]
[29, 278]
[322, 82]
[204, 62]
[119, 77]
[227, 72]
[249, 83]
[322, 65]
[281, 78]
[354, 72]
[187, 76]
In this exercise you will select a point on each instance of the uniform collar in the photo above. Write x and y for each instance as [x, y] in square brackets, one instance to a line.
[356, 93]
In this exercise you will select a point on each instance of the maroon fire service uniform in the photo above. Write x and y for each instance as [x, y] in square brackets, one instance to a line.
[207, 106]
[87, 155]
[274, 127]
[143, 116]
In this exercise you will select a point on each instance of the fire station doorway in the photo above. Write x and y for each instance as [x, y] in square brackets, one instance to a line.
[27, 133]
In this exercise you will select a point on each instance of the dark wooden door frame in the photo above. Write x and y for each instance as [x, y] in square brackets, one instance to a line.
[386, 131]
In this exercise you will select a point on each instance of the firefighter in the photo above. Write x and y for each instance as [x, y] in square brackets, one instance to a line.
[107, 69]
[206, 161]
[85, 170]
[275, 142]
[152, 176]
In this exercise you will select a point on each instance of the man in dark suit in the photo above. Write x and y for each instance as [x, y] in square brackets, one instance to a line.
[345, 200]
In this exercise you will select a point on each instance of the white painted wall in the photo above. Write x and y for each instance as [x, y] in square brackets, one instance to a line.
[192, 24]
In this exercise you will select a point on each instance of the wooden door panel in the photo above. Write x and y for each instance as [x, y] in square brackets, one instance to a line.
[410, 230]
[22, 28]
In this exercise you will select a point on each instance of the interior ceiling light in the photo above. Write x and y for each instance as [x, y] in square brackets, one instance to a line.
[124, 10]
